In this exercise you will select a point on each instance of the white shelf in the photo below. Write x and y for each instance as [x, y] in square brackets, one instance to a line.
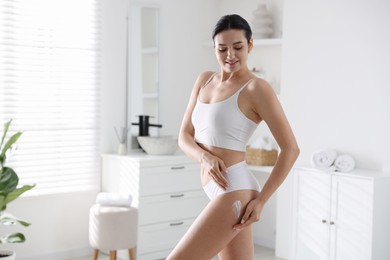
[267, 42]
[153, 50]
[150, 95]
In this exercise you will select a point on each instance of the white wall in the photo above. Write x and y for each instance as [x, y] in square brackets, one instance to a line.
[336, 79]
[113, 72]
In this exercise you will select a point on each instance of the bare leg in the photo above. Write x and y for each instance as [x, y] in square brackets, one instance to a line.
[113, 255]
[213, 230]
[131, 254]
[95, 254]
[241, 247]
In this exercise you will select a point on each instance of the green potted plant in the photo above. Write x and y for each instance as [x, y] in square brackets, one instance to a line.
[9, 191]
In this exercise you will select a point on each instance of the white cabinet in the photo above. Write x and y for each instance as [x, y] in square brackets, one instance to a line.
[167, 192]
[341, 216]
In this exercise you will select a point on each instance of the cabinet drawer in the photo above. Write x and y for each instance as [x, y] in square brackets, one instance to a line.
[172, 206]
[161, 237]
[169, 179]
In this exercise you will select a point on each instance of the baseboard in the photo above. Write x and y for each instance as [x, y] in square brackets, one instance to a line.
[65, 255]
[261, 241]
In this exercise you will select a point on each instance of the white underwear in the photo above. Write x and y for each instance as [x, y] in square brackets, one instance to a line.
[239, 178]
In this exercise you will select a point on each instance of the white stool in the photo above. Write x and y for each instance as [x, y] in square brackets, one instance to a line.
[113, 228]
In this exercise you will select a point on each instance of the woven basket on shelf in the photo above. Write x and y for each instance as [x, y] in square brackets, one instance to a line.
[261, 157]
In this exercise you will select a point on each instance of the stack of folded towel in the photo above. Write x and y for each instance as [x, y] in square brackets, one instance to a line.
[330, 160]
[113, 199]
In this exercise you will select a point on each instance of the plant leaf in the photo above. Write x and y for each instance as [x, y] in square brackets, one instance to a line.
[3, 205]
[10, 220]
[10, 142]
[8, 180]
[6, 126]
[13, 238]
[17, 192]
[2, 160]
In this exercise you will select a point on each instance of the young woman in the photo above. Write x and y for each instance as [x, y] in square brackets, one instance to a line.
[223, 112]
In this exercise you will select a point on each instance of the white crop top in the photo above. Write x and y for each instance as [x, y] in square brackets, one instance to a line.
[222, 124]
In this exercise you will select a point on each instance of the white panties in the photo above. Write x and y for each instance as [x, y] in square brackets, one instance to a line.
[239, 178]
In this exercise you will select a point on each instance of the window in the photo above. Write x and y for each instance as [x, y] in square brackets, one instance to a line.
[49, 86]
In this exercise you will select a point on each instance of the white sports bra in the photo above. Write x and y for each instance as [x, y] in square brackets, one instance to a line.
[222, 124]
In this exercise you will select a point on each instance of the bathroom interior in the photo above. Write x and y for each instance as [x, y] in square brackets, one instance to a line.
[328, 62]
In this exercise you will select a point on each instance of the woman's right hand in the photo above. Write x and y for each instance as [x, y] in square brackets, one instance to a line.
[215, 168]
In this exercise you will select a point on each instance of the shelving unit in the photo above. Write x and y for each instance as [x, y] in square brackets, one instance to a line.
[150, 60]
[143, 62]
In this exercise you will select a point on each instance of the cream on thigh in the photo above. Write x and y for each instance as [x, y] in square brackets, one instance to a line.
[212, 232]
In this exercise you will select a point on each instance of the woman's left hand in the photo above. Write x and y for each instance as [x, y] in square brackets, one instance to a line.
[251, 215]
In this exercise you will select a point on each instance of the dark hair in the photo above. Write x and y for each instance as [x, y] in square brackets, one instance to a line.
[232, 21]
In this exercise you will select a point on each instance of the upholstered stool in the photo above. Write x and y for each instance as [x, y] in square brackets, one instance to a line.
[113, 228]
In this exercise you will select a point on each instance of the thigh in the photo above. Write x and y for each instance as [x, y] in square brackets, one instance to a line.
[213, 230]
[240, 247]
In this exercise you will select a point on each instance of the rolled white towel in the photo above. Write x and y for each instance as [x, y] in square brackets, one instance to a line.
[344, 163]
[114, 199]
[323, 158]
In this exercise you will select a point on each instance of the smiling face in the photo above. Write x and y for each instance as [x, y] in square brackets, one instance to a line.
[231, 50]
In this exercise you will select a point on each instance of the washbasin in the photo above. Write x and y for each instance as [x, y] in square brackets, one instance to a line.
[158, 145]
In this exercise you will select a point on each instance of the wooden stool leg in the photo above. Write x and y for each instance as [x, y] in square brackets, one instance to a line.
[95, 254]
[113, 255]
[131, 254]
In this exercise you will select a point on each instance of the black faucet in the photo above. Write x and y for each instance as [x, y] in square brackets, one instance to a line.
[143, 125]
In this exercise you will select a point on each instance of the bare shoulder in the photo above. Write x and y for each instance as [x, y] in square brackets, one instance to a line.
[204, 77]
[259, 89]
[201, 80]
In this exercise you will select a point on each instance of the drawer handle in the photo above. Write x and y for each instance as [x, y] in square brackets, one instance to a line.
[177, 196]
[178, 167]
[176, 224]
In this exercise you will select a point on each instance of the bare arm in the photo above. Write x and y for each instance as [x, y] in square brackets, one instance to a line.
[213, 165]
[267, 106]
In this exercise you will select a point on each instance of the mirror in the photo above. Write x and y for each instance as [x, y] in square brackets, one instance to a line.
[143, 68]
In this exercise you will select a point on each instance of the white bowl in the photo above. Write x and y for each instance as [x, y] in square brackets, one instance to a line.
[158, 145]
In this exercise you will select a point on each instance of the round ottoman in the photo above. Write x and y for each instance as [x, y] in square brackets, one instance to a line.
[113, 228]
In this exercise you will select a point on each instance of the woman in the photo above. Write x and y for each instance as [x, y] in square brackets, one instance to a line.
[223, 112]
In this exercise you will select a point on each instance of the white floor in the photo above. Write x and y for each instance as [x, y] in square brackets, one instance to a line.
[261, 253]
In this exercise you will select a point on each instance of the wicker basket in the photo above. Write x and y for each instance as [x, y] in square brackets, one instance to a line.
[261, 157]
